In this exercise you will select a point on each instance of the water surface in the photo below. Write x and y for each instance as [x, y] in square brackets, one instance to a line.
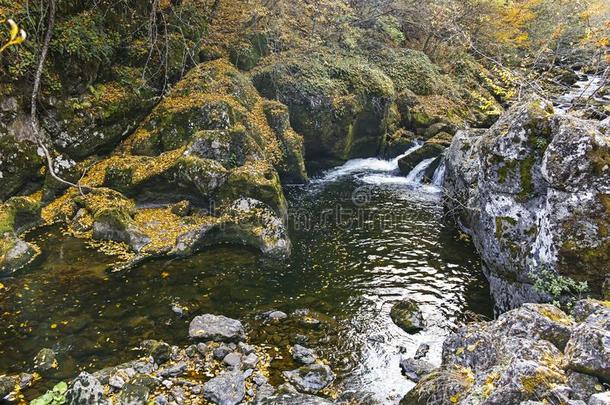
[363, 238]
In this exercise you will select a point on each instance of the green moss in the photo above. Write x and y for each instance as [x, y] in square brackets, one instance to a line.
[507, 168]
[257, 180]
[527, 183]
[339, 103]
[500, 225]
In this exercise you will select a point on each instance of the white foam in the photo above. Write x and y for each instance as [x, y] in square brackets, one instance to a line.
[355, 166]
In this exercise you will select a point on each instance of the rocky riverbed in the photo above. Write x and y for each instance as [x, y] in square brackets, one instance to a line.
[219, 367]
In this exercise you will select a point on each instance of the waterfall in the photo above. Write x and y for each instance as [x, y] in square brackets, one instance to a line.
[363, 166]
[439, 175]
[417, 174]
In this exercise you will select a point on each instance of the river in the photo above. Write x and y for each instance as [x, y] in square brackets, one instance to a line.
[363, 238]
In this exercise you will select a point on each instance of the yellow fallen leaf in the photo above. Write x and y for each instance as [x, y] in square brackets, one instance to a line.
[53, 326]
[471, 348]
[165, 274]
[1, 286]
[459, 351]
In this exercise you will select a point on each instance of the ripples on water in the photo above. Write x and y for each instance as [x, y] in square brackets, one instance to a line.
[363, 238]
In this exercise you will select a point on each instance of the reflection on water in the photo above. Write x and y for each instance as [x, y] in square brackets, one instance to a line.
[358, 247]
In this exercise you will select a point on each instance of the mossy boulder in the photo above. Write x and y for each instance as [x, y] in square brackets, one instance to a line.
[14, 253]
[17, 214]
[212, 96]
[292, 165]
[19, 164]
[427, 151]
[412, 70]
[247, 53]
[102, 116]
[244, 222]
[338, 103]
[398, 143]
[257, 180]
[407, 315]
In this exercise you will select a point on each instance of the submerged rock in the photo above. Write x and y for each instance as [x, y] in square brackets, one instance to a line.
[414, 369]
[311, 378]
[45, 360]
[303, 355]
[407, 315]
[216, 328]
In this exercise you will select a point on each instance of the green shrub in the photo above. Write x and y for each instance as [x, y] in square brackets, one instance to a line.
[561, 289]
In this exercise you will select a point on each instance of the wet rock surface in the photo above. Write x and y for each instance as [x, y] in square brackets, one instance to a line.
[310, 379]
[407, 315]
[216, 327]
[533, 353]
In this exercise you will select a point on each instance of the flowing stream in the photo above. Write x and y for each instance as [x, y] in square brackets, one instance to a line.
[584, 89]
[363, 238]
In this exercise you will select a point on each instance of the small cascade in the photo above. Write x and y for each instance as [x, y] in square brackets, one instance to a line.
[439, 175]
[416, 175]
[581, 90]
[369, 165]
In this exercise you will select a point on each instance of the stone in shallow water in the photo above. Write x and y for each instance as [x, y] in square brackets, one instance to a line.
[226, 389]
[217, 328]
[133, 394]
[407, 315]
[250, 361]
[221, 351]
[422, 351]
[310, 379]
[274, 315]
[232, 360]
[45, 360]
[160, 351]
[303, 355]
[414, 369]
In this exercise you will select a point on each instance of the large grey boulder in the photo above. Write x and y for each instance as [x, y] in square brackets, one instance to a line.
[216, 328]
[520, 357]
[533, 192]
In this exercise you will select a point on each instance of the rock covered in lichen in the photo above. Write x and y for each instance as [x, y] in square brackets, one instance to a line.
[533, 353]
[533, 192]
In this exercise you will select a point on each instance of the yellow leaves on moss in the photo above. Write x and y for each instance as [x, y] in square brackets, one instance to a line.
[60, 209]
[270, 142]
[164, 227]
